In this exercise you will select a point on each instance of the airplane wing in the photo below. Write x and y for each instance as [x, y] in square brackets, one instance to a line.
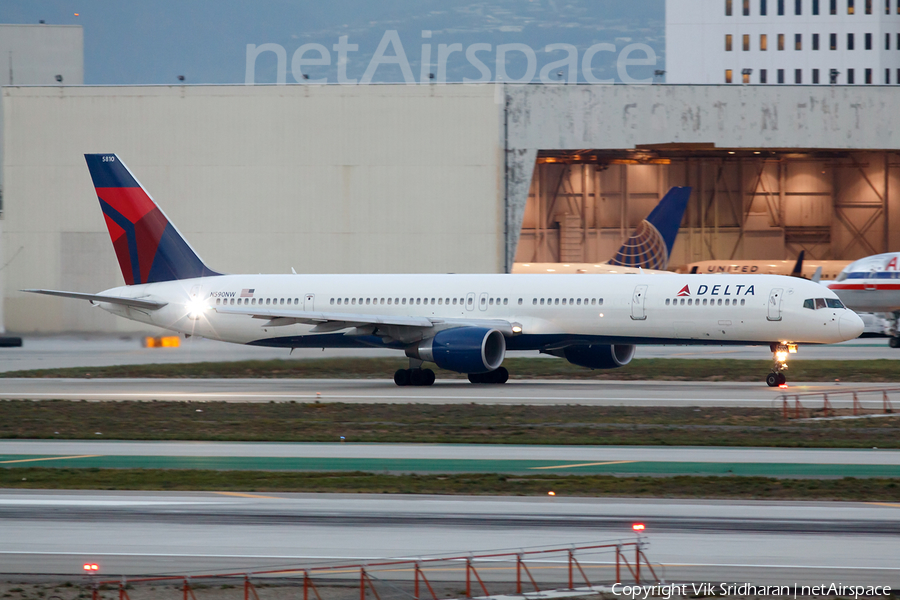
[326, 322]
[93, 298]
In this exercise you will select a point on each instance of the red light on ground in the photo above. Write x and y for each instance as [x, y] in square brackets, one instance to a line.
[551, 493]
[783, 386]
[91, 567]
[638, 527]
[87, 567]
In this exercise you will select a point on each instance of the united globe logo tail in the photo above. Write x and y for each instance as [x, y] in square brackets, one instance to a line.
[149, 248]
[650, 246]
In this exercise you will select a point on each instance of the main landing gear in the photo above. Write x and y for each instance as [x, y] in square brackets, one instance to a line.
[894, 329]
[418, 376]
[780, 351]
[500, 375]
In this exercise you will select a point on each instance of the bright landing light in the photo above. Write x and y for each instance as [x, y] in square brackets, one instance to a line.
[195, 308]
[781, 356]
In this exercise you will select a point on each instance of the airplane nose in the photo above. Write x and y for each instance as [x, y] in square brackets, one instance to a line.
[850, 325]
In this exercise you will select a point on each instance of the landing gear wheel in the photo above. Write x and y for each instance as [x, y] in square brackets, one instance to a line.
[401, 377]
[429, 376]
[772, 379]
[476, 378]
[501, 375]
[894, 342]
[782, 379]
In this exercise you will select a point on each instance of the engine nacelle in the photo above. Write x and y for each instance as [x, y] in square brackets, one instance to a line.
[599, 356]
[462, 349]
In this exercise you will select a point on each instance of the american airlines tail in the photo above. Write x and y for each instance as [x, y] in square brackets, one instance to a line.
[149, 247]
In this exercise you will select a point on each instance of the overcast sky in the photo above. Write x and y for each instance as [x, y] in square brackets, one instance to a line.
[206, 40]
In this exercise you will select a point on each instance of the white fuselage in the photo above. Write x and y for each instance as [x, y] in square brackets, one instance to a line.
[549, 311]
[871, 284]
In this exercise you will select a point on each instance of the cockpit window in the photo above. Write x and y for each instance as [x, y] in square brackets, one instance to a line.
[834, 303]
[817, 303]
[820, 303]
[809, 303]
[842, 276]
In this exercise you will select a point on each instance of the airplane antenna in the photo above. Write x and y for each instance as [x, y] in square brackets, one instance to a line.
[293, 271]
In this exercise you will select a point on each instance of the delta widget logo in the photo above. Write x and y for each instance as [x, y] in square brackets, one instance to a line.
[684, 291]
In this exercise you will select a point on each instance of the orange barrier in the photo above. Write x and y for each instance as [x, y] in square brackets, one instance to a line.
[792, 407]
[367, 581]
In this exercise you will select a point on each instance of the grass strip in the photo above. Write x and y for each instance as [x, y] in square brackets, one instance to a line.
[653, 369]
[426, 423]
[848, 488]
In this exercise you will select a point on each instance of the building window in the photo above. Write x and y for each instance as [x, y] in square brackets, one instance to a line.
[798, 76]
[746, 41]
[849, 41]
[887, 76]
[833, 41]
[727, 75]
[798, 41]
[850, 78]
[727, 8]
[833, 7]
[781, 41]
[780, 75]
[798, 7]
[747, 7]
[850, 9]
[868, 7]
[815, 41]
[897, 79]
[887, 41]
[898, 38]
[762, 76]
[762, 8]
[868, 76]
[815, 7]
[780, 7]
[815, 75]
[763, 42]
[727, 42]
[868, 41]
[833, 76]
[745, 75]
[887, 7]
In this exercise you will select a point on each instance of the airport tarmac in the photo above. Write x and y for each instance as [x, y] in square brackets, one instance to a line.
[50, 352]
[141, 533]
[448, 391]
[453, 458]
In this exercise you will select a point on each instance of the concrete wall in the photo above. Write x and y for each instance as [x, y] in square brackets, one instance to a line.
[324, 179]
[36, 54]
[560, 117]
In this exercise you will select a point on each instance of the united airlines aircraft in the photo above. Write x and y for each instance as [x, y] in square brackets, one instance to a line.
[463, 323]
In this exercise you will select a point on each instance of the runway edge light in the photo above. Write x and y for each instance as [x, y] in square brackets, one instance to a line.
[638, 527]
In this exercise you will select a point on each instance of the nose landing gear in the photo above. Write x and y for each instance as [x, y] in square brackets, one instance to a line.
[780, 354]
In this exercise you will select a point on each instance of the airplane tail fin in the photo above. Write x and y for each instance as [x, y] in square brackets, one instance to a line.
[149, 247]
[797, 271]
[651, 243]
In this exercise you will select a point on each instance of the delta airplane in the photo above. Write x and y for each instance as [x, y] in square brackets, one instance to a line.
[872, 284]
[463, 323]
[648, 248]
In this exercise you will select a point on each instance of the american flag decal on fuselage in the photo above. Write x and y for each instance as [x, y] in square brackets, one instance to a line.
[247, 293]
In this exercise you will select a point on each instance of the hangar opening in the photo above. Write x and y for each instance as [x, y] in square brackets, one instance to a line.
[746, 203]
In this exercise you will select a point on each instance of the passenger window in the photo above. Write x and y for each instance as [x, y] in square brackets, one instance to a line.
[332, 301]
[440, 301]
[667, 301]
[578, 302]
[682, 302]
[542, 301]
[556, 301]
[690, 301]
[389, 300]
[820, 303]
[564, 301]
[454, 302]
[491, 302]
[742, 301]
[704, 302]
[506, 301]
[600, 301]
[727, 301]
[296, 300]
[593, 301]
[368, 300]
[720, 302]
[404, 301]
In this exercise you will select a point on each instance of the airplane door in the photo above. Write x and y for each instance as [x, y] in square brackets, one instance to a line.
[637, 303]
[195, 292]
[774, 312]
[470, 301]
[482, 301]
[871, 283]
[309, 302]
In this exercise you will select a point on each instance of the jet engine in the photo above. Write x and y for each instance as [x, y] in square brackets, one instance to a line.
[462, 349]
[598, 356]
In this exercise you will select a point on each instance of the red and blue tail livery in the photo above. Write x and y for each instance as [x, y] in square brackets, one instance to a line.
[149, 248]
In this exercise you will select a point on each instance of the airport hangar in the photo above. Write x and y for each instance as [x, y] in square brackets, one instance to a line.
[438, 178]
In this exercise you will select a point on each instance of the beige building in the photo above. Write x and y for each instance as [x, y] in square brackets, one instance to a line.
[437, 178]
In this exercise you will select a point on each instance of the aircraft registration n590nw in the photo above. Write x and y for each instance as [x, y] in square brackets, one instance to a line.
[463, 323]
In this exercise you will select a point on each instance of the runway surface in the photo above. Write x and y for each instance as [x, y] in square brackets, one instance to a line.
[191, 533]
[367, 391]
[40, 352]
[447, 458]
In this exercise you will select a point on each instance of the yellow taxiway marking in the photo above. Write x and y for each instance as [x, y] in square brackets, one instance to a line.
[24, 460]
[884, 504]
[593, 464]
[240, 495]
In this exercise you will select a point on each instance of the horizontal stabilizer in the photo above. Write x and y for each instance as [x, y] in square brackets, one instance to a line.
[94, 298]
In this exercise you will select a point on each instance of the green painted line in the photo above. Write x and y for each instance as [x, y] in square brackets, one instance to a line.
[413, 465]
